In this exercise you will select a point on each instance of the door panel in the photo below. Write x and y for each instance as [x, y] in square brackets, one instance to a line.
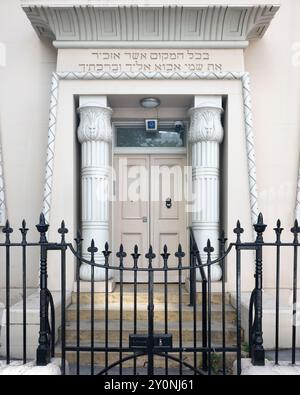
[131, 212]
[148, 220]
[168, 224]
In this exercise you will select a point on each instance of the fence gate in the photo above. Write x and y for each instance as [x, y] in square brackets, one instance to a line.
[151, 328]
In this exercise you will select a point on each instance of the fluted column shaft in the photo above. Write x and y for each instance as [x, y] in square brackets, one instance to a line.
[206, 134]
[95, 135]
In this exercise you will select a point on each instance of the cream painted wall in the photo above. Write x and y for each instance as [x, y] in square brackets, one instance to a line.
[276, 112]
[24, 105]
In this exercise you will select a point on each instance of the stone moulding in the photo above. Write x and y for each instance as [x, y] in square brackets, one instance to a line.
[67, 25]
[75, 76]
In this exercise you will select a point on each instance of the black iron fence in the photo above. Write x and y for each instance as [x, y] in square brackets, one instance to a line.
[185, 344]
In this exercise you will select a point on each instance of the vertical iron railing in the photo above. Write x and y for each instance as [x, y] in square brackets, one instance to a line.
[121, 255]
[7, 230]
[24, 231]
[258, 352]
[78, 240]
[150, 256]
[165, 256]
[195, 260]
[43, 355]
[295, 230]
[180, 255]
[135, 257]
[63, 231]
[278, 230]
[106, 254]
[238, 231]
[222, 241]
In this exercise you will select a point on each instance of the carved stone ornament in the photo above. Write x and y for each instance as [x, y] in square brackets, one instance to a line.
[120, 23]
[206, 124]
[95, 124]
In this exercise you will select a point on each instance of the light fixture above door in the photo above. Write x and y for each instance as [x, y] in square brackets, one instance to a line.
[150, 102]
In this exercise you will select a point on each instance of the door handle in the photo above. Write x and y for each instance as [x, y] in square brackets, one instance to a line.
[145, 219]
[169, 203]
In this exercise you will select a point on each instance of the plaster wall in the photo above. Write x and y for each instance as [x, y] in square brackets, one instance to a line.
[25, 77]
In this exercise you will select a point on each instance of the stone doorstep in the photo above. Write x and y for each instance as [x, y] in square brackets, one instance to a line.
[270, 369]
[99, 286]
[33, 308]
[285, 317]
[142, 295]
[99, 359]
[16, 368]
[15, 294]
[142, 312]
[33, 322]
[215, 286]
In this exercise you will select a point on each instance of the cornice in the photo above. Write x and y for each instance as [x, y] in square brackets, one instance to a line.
[78, 25]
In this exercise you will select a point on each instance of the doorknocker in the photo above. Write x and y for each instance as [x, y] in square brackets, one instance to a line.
[169, 203]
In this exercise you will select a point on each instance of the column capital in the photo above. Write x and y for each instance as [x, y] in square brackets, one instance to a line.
[95, 123]
[205, 124]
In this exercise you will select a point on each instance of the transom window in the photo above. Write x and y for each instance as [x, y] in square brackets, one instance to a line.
[166, 135]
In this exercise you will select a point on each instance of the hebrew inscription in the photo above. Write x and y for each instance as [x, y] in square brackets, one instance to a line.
[116, 61]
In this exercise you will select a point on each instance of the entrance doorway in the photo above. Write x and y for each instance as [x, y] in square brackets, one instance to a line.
[150, 208]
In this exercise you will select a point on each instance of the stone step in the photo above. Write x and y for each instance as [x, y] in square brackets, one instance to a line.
[114, 331]
[142, 295]
[142, 361]
[142, 312]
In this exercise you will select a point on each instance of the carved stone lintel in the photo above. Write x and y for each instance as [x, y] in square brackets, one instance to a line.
[95, 124]
[206, 124]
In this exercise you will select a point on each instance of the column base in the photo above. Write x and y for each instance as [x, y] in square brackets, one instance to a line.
[99, 286]
[99, 273]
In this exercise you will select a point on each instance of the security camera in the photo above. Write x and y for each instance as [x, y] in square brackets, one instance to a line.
[178, 126]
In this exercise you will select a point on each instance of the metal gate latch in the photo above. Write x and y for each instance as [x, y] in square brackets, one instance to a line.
[140, 341]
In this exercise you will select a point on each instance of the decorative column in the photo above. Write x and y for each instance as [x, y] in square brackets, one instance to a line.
[206, 134]
[95, 136]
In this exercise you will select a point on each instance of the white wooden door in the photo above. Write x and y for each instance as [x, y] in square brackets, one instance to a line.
[168, 216]
[131, 215]
[150, 209]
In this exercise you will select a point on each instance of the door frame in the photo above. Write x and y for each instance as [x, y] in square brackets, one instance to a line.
[139, 151]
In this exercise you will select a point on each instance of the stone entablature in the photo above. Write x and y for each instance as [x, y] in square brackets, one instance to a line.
[149, 60]
[173, 25]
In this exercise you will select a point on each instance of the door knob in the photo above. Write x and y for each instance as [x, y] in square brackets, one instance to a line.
[145, 219]
[169, 203]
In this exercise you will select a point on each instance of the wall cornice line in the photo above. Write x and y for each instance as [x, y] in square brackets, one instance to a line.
[151, 25]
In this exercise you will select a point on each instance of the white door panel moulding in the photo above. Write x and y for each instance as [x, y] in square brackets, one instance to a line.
[239, 76]
[156, 26]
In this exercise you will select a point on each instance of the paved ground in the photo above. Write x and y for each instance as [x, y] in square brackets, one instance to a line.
[284, 355]
[86, 370]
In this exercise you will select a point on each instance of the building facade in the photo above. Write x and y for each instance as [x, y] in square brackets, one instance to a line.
[101, 100]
